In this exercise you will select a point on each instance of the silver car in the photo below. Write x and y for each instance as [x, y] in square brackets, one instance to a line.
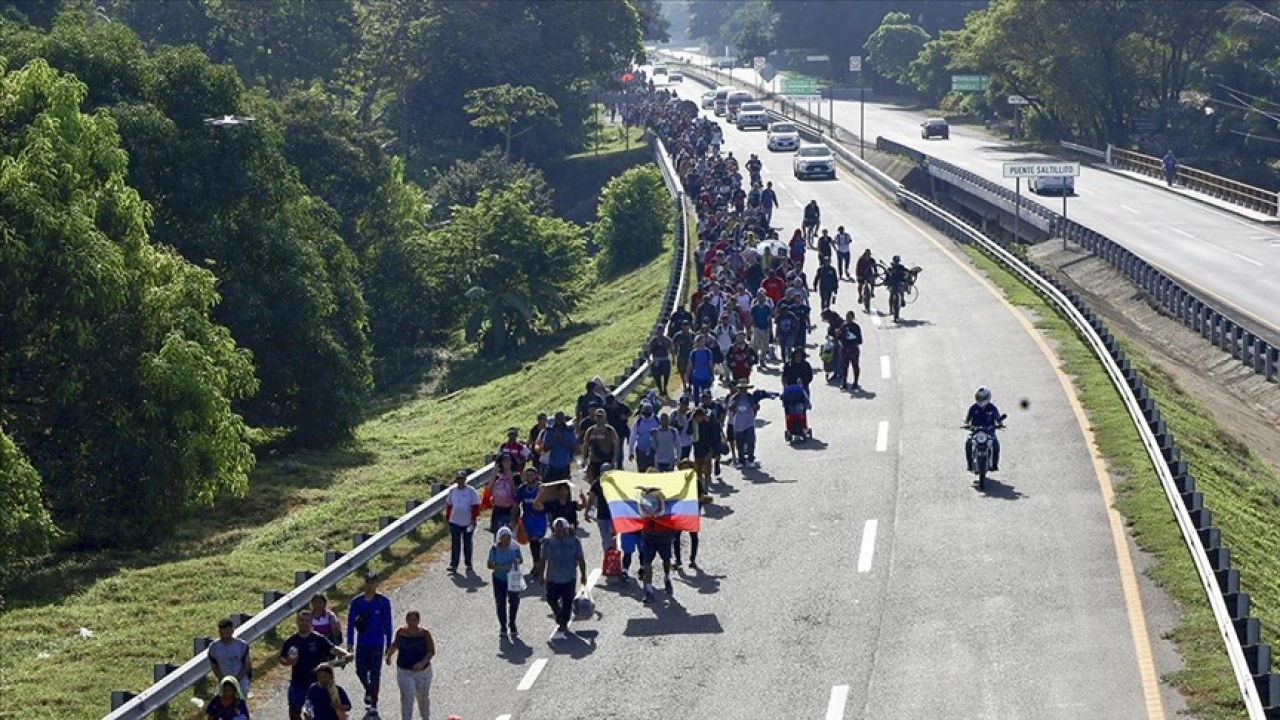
[811, 160]
[1054, 185]
[783, 136]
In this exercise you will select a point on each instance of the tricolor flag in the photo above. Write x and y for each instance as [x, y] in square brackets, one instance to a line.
[668, 501]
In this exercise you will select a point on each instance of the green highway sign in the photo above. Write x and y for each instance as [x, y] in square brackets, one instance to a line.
[799, 86]
[968, 83]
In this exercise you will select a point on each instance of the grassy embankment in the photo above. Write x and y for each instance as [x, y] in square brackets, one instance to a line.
[146, 607]
[1242, 491]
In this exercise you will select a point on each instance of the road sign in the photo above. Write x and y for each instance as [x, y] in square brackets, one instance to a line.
[767, 73]
[968, 83]
[855, 63]
[1046, 168]
[804, 98]
[818, 58]
[1018, 100]
[799, 86]
[759, 62]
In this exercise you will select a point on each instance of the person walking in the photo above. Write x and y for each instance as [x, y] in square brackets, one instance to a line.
[641, 449]
[742, 415]
[703, 500]
[680, 419]
[559, 443]
[324, 620]
[504, 561]
[413, 649]
[462, 508]
[600, 444]
[1170, 164]
[827, 282]
[797, 370]
[229, 656]
[844, 251]
[229, 703]
[326, 699]
[303, 652]
[532, 519]
[701, 366]
[850, 337]
[603, 517]
[561, 555]
[660, 362]
[502, 492]
[665, 442]
[369, 633]
[681, 346]
[768, 202]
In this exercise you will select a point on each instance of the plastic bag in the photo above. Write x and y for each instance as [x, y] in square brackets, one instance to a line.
[515, 579]
[583, 606]
[612, 565]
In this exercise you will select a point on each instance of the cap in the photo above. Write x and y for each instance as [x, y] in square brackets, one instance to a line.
[370, 576]
[560, 523]
[504, 531]
[461, 474]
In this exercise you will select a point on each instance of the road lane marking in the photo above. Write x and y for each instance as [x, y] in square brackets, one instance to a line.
[835, 707]
[885, 373]
[1247, 259]
[1126, 207]
[875, 320]
[1183, 233]
[531, 675]
[868, 546]
[882, 436]
[1128, 576]
[592, 578]
[505, 717]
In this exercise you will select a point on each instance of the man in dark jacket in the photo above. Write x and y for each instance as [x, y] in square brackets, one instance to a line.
[827, 282]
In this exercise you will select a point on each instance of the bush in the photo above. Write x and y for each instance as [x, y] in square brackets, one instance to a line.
[635, 215]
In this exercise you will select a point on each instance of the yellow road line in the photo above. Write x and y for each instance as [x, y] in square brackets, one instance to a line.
[1128, 576]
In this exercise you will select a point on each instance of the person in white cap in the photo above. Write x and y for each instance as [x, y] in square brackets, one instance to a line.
[504, 559]
[561, 553]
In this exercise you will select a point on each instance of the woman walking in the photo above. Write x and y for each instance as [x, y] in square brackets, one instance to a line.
[504, 560]
[416, 649]
[529, 517]
[502, 492]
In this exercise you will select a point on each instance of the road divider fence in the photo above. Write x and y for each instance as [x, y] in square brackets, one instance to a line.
[171, 680]
[1240, 633]
[1257, 199]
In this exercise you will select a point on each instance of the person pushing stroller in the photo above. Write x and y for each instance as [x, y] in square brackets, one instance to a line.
[796, 406]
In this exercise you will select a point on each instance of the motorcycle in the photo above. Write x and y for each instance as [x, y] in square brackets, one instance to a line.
[982, 444]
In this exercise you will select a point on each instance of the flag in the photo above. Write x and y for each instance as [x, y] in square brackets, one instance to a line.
[669, 500]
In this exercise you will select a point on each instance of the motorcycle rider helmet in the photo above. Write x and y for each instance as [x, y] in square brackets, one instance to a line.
[983, 395]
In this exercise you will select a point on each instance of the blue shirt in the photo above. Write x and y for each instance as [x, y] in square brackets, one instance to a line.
[640, 438]
[760, 316]
[323, 705]
[561, 554]
[504, 556]
[535, 521]
[700, 363]
[983, 417]
[559, 445]
[377, 616]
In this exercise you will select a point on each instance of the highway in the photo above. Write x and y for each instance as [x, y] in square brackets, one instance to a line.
[860, 575]
[1227, 257]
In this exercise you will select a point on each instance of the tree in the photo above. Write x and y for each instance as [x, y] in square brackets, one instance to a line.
[26, 530]
[754, 27]
[708, 19]
[462, 184]
[930, 73]
[894, 45]
[653, 25]
[114, 381]
[521, 273]
[504, 107]
[635, 220]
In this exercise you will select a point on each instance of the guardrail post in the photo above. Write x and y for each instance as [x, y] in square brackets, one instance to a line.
[411, 505]
[271, 597]
[199, 645]
[1237, 606]
[159, 670]
[359, 539]
[332, 556]
[1250, 630]
[301, 576]
[120, 697]
[1259, 657]
[1228, 581]
[384, 521]
[1211, 537]
[239, 618]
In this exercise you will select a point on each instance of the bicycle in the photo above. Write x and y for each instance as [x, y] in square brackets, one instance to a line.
[810, 232]
[867, 287]
[900, 297]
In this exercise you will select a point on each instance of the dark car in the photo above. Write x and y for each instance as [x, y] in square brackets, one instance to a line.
[935, 127]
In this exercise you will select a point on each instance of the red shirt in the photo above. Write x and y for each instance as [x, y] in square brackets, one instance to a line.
[773, 287]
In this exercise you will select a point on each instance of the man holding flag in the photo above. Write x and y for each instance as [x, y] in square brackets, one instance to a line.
[659, 506]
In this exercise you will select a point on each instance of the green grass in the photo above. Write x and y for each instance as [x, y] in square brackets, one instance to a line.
[146, 607]
[613, 138]
[1240, 489]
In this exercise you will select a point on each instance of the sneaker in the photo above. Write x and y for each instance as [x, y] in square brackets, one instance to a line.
[453, 570]
[995, 468]
[648, 595]
[470, 568]
[693, 563]
[857, 387]
[558, 635]
[676, 563]
[368, 701]
[666, 585]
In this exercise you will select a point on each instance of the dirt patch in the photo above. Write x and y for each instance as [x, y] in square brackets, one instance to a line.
[1242, 401]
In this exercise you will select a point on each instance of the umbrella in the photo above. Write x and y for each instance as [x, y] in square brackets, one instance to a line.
[775, 247]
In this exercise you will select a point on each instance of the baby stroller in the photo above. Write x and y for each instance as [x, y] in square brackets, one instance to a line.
[795, 403]
[828, 355]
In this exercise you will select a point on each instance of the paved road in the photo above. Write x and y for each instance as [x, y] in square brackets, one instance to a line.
[1226, 256]
[862, 575]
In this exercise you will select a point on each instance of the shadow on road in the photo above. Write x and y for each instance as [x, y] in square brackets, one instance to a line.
[906, 323]
[514, 650]
[760, 477]
[670, 618]
[993, 488]
[812, 443]
[705, 584]
[862, 394]
[717, 512]
[468, 580]
[578, 645]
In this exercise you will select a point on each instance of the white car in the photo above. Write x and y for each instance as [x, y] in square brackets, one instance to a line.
[1054, 185]
[752, 115]
[812, 160]
[708, 99]
[783, 136]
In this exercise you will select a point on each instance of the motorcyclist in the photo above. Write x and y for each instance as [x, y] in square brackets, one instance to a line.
[812, 218]
[983, 415]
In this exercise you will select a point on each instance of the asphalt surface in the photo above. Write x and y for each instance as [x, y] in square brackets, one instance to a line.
[860, 575]
[1232, 259]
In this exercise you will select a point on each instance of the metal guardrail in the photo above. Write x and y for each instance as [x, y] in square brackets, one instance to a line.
[279, 607]
[1226, 189]
[1084, 149]
[1249, 340]
[1250, 658]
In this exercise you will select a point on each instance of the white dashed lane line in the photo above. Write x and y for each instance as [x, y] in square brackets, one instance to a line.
[885, 372]
[882, 436]
[1126, 207]
[835, 707]
[531, 676]
[868, 549]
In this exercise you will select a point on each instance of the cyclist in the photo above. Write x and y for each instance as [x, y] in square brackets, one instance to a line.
[897, 278]
[812, 218]
[865, 271]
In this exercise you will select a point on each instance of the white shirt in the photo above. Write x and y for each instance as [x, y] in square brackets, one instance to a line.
[843, 241]
[462, 499]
